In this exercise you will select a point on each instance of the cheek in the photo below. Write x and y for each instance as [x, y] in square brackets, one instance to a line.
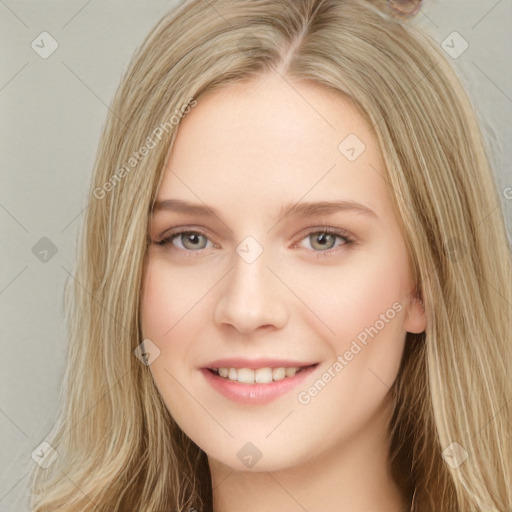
[370, 298]
[359, 308]
[154, 306]
[345, 300]
[365, 309]
[167, 304]
[170, 309]
[168, 297]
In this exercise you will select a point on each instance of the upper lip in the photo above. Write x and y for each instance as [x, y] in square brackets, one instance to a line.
[238, 362]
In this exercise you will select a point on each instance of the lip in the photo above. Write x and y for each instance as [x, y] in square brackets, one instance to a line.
[255, 394]
[254, 364]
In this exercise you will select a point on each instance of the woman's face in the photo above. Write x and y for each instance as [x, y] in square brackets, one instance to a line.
[292, 260]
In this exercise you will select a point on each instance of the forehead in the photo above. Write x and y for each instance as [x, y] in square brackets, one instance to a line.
[276, 141]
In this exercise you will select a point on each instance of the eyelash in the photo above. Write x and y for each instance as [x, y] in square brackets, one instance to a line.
[347, 240]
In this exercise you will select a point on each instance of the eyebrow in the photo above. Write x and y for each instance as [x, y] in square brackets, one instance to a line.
[294, 210]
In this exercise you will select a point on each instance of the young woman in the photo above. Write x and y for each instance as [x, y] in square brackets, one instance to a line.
[294, 286]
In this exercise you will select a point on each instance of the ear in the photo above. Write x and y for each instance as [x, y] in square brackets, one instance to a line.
[415, 316]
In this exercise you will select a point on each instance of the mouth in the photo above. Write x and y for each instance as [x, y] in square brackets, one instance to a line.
[255, 382]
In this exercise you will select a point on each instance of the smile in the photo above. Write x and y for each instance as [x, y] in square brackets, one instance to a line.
[256, 385]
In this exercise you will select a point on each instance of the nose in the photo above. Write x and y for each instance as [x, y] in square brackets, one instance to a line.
[252, 298]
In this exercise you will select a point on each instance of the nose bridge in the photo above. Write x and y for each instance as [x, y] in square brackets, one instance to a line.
[251, 297]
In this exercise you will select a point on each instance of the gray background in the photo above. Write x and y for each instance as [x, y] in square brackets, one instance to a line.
[52, 111]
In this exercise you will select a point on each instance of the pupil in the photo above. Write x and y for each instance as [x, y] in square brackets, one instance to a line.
[193, 239]
[323, 240]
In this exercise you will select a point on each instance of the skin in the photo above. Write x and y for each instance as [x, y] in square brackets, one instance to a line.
[247, 151]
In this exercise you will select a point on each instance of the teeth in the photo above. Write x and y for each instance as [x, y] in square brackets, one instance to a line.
[245, 375]
[263, 375]
[259, 376]
[278, 373]
[290, 372]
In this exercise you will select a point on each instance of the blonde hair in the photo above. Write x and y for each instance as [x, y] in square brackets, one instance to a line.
[118, 447]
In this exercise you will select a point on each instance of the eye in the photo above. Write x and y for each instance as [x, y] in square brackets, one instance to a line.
[323, 241]
[326, 239]
[187, 240]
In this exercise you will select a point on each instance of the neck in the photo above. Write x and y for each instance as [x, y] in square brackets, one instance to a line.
[354, 475]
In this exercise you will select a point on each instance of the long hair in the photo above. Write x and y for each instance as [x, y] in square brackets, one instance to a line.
[118, 447]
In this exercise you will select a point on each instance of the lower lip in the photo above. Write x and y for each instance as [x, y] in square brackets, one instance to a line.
[254, 393]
